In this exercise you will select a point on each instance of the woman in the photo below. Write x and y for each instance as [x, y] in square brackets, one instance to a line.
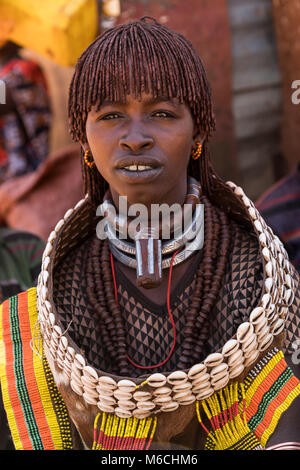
[151, 342]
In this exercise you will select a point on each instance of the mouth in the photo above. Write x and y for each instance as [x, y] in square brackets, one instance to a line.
[138, 169]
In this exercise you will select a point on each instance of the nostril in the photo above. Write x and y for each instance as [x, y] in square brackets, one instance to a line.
[136, 145]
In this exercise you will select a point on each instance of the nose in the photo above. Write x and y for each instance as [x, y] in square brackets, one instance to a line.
[136, 140]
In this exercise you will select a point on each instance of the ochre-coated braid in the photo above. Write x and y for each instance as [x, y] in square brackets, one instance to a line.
[96, 297]
[207, 285]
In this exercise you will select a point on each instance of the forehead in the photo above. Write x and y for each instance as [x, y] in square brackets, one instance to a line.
[144, 99]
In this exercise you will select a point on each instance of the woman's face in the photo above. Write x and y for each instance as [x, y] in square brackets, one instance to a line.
[142, 148]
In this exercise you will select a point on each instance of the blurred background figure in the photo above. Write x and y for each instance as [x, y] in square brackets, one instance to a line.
[25, 117]
[280, 207]
[21, 257]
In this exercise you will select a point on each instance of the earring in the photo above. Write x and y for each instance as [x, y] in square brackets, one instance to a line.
[86, 159]
[196, 151]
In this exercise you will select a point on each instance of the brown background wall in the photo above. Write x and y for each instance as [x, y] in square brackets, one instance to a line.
[236, 41]
[287, 26]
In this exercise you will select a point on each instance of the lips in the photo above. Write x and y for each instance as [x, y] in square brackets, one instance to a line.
[138, 169]
[133, 163]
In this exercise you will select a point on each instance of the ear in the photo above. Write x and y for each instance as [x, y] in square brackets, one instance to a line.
[84, 147]
[199, 137]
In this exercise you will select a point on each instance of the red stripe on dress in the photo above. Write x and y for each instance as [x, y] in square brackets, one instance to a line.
[28, 366]
[11, 379]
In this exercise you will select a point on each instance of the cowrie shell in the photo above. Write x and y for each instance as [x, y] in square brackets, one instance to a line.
[157, 380]
[250, 346]
[63, 343]
[217, 370]
[236, 357]
[263, 333]
[140, 395]
[104, 392]
[251, 358]
[172, 406]
[180, 395]
[266, 301]
[182, 387]
[266, 254]
[202, 379]
[244, 331]
[141, 414]
[278, 326]
[246, 201]
[107, 382]
[266, 342]
[76, 388]
[122, 395]
[230, 347]
[46, 263]
[87, 382]
[59, 225]
[220, 383]
[201, 386]
[269, 284]
[79, 203]
[236, 371]
[252, 213]
[177, 377]
[258, 226]
[92, 392]
[213, 359]
[126, 385]
[196, 371]
[239, 191]
[90, 373]
[90, 400]
[121, 413]
[79, 361]
[126, 404]
[105, 408]
[162, 391]
[162, 400]
[68, 213]
[256, 315]
[109, 401]
[260, 325]
[205, 394]
[263, 239]
[269, 269]
[145, 405]
[187, 400]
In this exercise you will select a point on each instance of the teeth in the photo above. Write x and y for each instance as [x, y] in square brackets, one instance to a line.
[138, 167]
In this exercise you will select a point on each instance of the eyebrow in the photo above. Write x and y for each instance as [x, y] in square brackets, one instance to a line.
[149, 101]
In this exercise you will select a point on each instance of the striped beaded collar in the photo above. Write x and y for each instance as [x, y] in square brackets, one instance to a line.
[154, 393]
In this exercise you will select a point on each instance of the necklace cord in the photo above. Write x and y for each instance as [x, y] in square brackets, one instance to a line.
[169, 312]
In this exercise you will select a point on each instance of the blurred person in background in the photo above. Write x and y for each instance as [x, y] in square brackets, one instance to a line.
[25, 117]
[280, 207]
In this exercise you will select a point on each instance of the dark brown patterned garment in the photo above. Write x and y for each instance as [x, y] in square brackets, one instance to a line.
[148, 327]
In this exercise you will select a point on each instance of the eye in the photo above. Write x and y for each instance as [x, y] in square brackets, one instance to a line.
[163, 114]
[109, 117]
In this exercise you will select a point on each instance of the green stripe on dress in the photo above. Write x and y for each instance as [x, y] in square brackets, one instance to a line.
[269, 396]
[20, 377]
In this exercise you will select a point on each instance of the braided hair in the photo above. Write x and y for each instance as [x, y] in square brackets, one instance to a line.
[162, 63]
